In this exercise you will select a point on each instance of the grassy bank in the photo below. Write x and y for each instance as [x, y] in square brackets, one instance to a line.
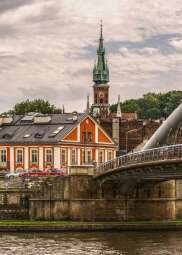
[67, 223]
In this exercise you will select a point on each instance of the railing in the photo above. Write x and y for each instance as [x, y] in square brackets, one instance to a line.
[152, 155]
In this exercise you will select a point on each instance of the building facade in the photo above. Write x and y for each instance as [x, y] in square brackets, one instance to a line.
[53, 141]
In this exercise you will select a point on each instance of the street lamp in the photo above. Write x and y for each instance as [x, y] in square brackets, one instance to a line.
[128, 132]
[50, 199]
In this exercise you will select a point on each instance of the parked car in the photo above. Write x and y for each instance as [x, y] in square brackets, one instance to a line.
[37, 172]
[3, 173]
[55, 171]
[15, 174]
[32, 172]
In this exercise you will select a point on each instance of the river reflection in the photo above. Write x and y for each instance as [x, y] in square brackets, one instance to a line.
[130, 243]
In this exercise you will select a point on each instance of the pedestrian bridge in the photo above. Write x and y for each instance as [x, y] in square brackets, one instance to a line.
[153, 165]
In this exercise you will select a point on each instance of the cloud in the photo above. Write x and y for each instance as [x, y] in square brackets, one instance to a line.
[48, 47]
[177, 44]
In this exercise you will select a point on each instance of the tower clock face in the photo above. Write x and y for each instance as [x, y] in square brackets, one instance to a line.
[101, 94]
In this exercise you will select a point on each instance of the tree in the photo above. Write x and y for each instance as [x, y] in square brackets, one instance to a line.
[37, 105]
[152, 105]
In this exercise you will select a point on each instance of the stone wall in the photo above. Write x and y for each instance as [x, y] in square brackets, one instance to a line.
[82, 200]
[78, 197]
[78, 209]
[14, 199]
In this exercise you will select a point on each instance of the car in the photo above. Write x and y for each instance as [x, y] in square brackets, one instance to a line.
[18, 173]
[37, 172]
[55, 171]
[34, 172]
[29, 173]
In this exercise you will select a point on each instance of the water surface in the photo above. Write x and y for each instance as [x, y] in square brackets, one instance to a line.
[126, 243]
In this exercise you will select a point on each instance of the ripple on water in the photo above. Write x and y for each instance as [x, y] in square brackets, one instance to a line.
[126, 243]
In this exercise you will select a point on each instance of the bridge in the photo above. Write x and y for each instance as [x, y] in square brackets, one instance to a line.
[158, 164]
[153, 164]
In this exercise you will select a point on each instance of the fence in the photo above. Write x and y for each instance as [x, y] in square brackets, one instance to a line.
[171, 152]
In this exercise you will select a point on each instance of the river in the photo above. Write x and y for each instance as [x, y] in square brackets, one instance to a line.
[124, 243]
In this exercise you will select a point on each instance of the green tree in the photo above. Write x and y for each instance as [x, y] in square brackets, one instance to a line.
[152, 105]
[37, 105]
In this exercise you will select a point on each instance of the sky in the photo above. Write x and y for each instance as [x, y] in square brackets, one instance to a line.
[48, 48]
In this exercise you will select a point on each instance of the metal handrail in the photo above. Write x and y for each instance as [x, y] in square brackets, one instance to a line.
[151, 155]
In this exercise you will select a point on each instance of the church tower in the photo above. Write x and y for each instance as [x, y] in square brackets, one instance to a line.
[100, 107]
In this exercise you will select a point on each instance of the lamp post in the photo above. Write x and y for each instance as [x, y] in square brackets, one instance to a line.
[84, 143]
[50, 199]
[128, 132]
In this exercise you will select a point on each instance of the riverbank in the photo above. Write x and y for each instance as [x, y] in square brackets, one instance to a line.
[73, 226]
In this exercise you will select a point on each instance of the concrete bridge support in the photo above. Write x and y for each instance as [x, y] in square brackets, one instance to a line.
[82, 200]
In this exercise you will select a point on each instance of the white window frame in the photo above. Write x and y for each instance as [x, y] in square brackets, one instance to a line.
[34, 155]
[65, 156]
[87, 159]
[109, 153]
[101, 159]
[3, 155]
[73, 156]
[48, 155]
[19, 155]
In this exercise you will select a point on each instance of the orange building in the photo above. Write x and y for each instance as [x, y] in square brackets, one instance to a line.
[52, 141]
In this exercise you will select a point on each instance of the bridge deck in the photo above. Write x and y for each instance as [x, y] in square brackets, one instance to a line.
[163, 162]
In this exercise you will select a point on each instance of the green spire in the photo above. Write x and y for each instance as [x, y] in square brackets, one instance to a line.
[101, 71]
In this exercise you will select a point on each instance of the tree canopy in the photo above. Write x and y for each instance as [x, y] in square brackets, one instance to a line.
[37, 105]
[152, 105]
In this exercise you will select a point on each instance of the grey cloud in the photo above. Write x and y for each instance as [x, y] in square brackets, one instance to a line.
[47, 92]
[66, 93]
[7, 31]
[7, 5]
[49, 13]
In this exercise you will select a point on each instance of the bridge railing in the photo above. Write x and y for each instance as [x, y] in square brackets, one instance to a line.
[152, 155]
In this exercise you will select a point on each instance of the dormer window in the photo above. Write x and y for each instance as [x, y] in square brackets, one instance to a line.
[27, 135]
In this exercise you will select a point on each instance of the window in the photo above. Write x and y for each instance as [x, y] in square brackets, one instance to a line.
[109, 155]
[48, 155]
[89, 136]
[101, 157]
[63, 156]
[86, 156]
[83, 156]
[73, 157]
[3, 156]
[34, 155]
[84, 137]
[19, 156]
[89, 156]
